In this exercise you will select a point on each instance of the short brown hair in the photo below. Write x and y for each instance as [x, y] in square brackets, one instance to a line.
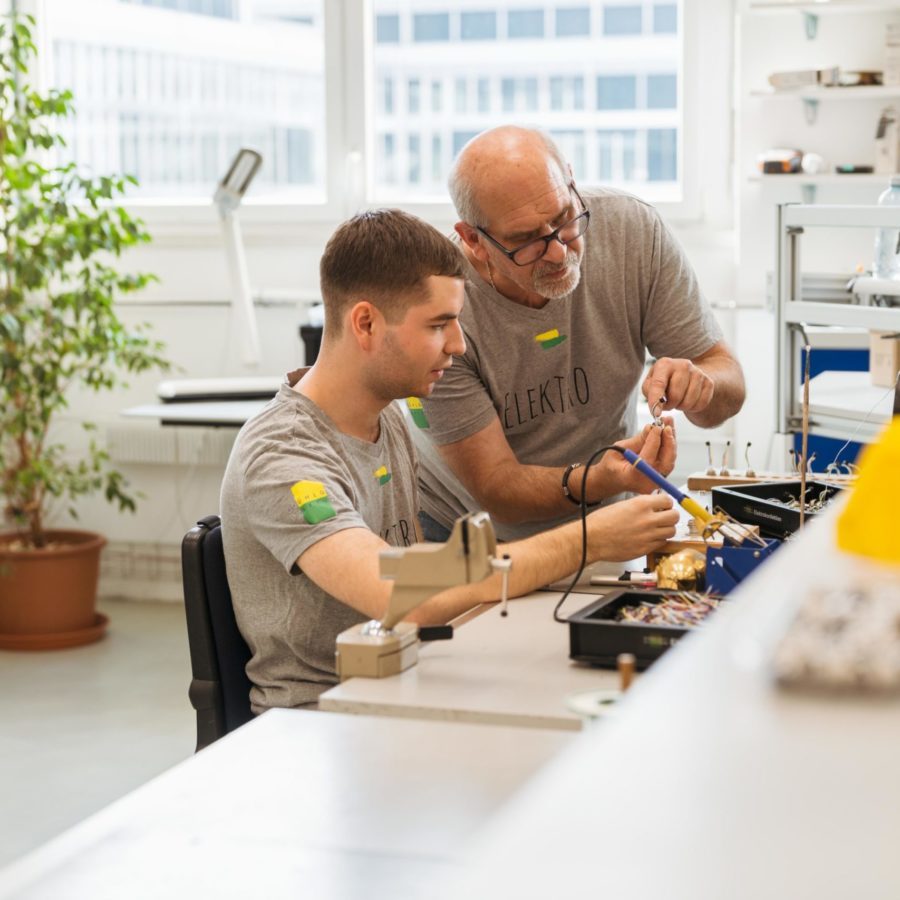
[384, 255]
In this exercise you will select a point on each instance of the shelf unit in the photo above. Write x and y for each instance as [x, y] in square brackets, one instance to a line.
[842, 405]
[812, 11]
[815, 119]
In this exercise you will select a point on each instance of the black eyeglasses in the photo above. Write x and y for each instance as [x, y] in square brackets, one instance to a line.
[534, 250]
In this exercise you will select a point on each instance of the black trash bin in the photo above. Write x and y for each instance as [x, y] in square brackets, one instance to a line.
[311, 335]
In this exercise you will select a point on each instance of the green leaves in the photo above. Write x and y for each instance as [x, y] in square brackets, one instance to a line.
[59, 327]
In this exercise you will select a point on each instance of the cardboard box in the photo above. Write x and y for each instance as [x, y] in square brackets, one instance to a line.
[884, 357]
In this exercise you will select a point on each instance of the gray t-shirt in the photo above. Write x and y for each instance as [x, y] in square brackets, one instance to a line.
[293, 479]
[564, 379]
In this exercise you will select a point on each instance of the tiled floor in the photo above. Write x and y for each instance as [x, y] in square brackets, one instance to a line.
[81, 727]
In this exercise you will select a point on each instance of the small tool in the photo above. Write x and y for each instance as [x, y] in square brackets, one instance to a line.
[655, 411]
[730, 533]
[710, 469]
[503, 566]
[724, 469]
[641, 579]
[749, 473]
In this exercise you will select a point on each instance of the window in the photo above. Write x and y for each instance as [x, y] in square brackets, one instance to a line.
[437, 160]
[412, 96]
[622, 20]
[387, 29]
[572, 145]
[431, 27]
[665, 18]
[484, 95]
[415, 159]
[616, 92]
[387, 96]
[478, 26]
[566, 92]
[662, 154]
[147, 104]
[525, 23]
[461, 94]
[662, 92]
[150, 102]
[388, 173]
[460, 139]
[520, 94]
[616, 156]
[573, 21]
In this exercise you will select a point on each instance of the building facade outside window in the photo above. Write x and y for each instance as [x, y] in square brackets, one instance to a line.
[170, 96]
[613, 105]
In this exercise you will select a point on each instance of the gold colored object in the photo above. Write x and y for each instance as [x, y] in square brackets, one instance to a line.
[682, 571]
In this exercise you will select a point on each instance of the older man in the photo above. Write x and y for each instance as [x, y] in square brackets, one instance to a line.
[566, 291]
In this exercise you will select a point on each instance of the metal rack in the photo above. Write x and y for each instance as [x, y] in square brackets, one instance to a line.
[839, 402]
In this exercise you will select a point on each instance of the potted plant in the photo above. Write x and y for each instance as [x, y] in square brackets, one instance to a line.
[60, 235]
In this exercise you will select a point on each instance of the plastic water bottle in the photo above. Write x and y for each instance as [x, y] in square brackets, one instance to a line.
[887, 240]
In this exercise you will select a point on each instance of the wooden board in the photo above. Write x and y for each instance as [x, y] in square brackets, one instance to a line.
[700, 481]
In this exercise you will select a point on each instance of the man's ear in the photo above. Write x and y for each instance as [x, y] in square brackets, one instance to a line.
[365, 322]
[472, 239]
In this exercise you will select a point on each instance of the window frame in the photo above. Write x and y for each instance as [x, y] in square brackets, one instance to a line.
[349, 33]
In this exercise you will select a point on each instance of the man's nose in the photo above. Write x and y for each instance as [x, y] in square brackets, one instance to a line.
[556, 251]
[455, 344]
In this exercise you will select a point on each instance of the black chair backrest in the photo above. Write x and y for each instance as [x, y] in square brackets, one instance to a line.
[220, 689]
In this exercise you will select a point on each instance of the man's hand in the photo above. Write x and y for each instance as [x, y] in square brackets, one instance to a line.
[654, 445]
[631, 528]
[685, 386]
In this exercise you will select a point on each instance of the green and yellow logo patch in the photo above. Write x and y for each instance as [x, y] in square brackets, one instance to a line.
[550, 338]
[313, 501]
[416, 412]
[382, 475]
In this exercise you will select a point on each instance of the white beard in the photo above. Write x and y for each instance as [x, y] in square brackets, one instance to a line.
[555, 288]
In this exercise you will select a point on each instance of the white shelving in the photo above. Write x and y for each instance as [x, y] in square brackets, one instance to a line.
[823, 178]
[821, 8]
[844, 405]
[814, 119]
[817, 92]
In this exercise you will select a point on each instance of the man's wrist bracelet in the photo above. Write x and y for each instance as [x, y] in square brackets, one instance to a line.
[565, 483]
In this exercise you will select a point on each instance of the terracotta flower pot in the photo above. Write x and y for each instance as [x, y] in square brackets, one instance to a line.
[48, 596]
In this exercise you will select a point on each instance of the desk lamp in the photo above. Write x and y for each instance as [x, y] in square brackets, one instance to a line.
[377, 649]
[227, 198]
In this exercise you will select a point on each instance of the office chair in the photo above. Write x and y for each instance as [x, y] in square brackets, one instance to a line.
[220, 689]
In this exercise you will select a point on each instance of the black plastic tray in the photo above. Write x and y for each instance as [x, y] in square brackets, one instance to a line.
[596, 638]
[752, 504]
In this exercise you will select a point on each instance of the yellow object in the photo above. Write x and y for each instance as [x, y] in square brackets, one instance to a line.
[868, 525]
[695, 509]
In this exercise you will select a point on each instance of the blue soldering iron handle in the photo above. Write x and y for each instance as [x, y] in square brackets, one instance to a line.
[653, 475]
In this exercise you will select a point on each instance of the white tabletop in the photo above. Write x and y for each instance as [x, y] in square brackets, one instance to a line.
[295, 804]
[713, 783]
[510, 671]
[205, 412]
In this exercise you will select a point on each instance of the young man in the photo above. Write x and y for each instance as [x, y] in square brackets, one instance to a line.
[324, 478]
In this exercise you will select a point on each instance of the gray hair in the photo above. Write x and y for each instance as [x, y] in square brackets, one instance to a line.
[463, 191]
